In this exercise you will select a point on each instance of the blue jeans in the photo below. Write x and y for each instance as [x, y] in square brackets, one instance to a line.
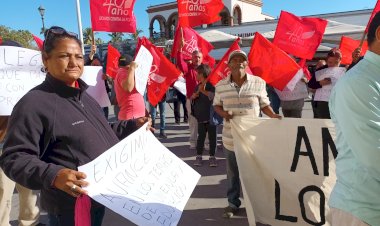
[233, 192]
[67, 218]
[153, 112]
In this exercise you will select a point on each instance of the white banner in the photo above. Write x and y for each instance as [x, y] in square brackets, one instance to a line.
[140, 179]
[144, 59]
[93, 76]
[287, 169]
[334, 73]
[20, 71]
[180, 85]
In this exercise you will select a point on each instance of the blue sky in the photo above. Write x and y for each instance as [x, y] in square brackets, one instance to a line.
[23, 14]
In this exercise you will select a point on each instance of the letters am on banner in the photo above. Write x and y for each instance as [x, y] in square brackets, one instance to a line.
[140, 179]
[113, 15]
[299, 36]
[287, 168]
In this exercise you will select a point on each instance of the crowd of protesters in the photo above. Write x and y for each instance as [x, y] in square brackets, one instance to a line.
[54, 143]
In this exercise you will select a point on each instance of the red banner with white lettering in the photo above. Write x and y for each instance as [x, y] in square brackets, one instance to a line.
[193, 13]
[39, 42]
[191, 41]
[113, 56]
[162, 73]
[375, 10]
[347, 46]
[113, 16]
[271, 63]
[222, 70]
[299, 36]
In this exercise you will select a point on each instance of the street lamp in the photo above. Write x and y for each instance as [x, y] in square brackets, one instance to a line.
[41, 9]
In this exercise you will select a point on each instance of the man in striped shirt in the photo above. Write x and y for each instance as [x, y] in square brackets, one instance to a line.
[238, 94]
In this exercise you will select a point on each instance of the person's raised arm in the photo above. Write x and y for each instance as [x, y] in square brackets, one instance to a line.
[129, 83]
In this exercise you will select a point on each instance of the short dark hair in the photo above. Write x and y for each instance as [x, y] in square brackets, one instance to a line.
[375, 23]
[55, 33]
[204, 69]
[334, 52]
[125, 60]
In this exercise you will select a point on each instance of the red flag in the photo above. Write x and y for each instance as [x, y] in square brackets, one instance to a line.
[39, 42]
[271, 63]
[347, 46]
[1, 40]
[299, 36]
[113, 16]
[113, 56]
[375, 10]
[192, 41]
[193, 13]
[162, 74]
[222, 70]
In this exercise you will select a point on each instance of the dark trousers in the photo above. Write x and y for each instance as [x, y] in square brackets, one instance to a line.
[322, 109]
[177, 105]
[67, 218]
[203, 129]
[233, 180]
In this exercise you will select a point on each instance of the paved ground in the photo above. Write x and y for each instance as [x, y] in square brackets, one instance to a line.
[206, 204]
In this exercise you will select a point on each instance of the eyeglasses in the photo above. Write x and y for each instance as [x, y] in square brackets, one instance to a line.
[55, 30]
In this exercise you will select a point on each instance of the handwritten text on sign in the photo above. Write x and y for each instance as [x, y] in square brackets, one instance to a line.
[20, 71]
[296, 173]
[141, 180]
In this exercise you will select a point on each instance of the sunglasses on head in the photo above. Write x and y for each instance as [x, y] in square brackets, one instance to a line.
[49, 33]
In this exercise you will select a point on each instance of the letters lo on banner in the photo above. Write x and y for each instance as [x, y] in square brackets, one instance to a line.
[299, 36]
[287, 168]
[113, 15]
[140, 179]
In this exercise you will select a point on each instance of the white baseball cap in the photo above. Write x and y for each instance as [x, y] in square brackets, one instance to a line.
[237, 52]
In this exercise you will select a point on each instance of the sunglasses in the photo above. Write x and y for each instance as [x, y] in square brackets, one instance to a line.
[49, 33]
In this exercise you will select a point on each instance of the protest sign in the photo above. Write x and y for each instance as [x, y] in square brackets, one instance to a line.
[144, 60]
[180, 85]
[287, 168]
[93, 76]
[140, 179]
[334, 73]
[20, 71]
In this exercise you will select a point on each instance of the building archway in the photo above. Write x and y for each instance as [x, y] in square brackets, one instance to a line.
[237, 15]
[157, 32]
[172, 25]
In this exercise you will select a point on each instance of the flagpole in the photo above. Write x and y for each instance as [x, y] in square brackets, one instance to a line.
[80, 24]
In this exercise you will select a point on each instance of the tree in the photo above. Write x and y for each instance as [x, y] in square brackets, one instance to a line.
[87, 36]
[23, 37]
[116, 37]
[135, 35]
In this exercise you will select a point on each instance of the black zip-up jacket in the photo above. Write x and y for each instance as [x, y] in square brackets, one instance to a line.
[52, 127]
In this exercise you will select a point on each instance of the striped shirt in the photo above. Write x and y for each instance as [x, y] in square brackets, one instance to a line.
[248, 100]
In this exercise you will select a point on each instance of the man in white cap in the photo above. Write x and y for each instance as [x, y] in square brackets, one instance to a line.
[239, 93]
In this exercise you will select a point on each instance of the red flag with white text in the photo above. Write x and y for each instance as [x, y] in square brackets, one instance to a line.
[222, 70]
[39, 42]
[375, 10]
[299, 36]
[113, 56]
[162, 73]
[271, 63]
[347, 46]
[192, 41]
[113, 16]
[194, 13]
